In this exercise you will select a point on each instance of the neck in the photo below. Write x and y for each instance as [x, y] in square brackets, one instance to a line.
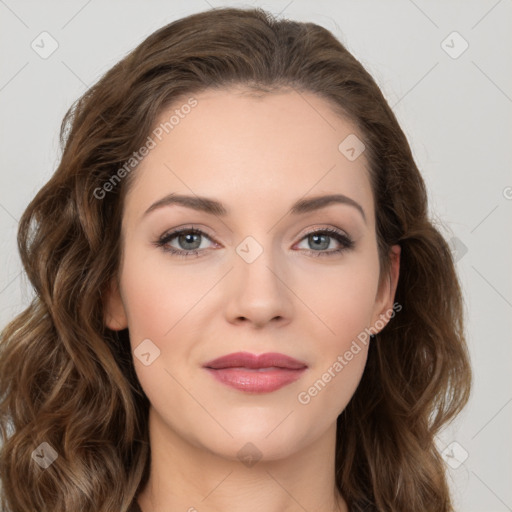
[191, 478]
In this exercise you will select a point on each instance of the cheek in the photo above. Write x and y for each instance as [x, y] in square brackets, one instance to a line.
[345, 307]
[159, 295]
[177, 305]
[162, 298]
[343, 299]
[341, 352]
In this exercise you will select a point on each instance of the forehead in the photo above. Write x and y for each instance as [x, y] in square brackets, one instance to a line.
[249, 150]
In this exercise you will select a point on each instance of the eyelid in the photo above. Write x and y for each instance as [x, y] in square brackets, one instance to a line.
[323, 227]
[343, 239]
[173, 233]
[205, 231]
[340, 235]
[188, 227]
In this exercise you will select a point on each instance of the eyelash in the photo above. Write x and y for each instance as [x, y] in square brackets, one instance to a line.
[344, 240]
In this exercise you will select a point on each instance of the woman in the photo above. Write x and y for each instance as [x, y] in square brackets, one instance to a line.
[302, 354]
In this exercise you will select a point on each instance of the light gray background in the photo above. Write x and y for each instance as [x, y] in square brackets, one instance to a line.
[456, 113]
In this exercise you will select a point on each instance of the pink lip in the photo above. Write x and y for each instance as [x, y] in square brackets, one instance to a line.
[256, 373]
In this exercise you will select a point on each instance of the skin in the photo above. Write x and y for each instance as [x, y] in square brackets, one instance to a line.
[257, 155]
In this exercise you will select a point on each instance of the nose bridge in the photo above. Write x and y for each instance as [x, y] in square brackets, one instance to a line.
[257, 263]
[260, 293]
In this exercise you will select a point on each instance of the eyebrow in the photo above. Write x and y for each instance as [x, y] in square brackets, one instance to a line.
[214, 207]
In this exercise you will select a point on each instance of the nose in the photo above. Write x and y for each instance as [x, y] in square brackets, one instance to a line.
[258, 292]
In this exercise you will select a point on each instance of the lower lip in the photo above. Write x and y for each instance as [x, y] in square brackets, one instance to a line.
[256, 381]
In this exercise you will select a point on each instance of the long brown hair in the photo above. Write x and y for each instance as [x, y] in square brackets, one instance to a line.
[67, 380]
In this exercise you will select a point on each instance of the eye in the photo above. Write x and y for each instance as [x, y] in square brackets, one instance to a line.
[190, 239]
[320, 240]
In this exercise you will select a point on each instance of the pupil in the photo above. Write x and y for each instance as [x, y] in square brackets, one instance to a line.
[189, 238]
[318, 238]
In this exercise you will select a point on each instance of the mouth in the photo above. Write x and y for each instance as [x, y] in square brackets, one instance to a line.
[256, 374]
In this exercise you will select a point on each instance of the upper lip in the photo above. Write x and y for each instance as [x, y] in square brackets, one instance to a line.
[254, 361]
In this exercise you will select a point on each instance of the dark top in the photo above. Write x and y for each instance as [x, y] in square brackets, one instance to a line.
[134, 507]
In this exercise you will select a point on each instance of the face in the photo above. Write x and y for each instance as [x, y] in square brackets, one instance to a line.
[255, 275]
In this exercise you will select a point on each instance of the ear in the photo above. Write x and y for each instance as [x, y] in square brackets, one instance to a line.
[387, 289]
[114, 313]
